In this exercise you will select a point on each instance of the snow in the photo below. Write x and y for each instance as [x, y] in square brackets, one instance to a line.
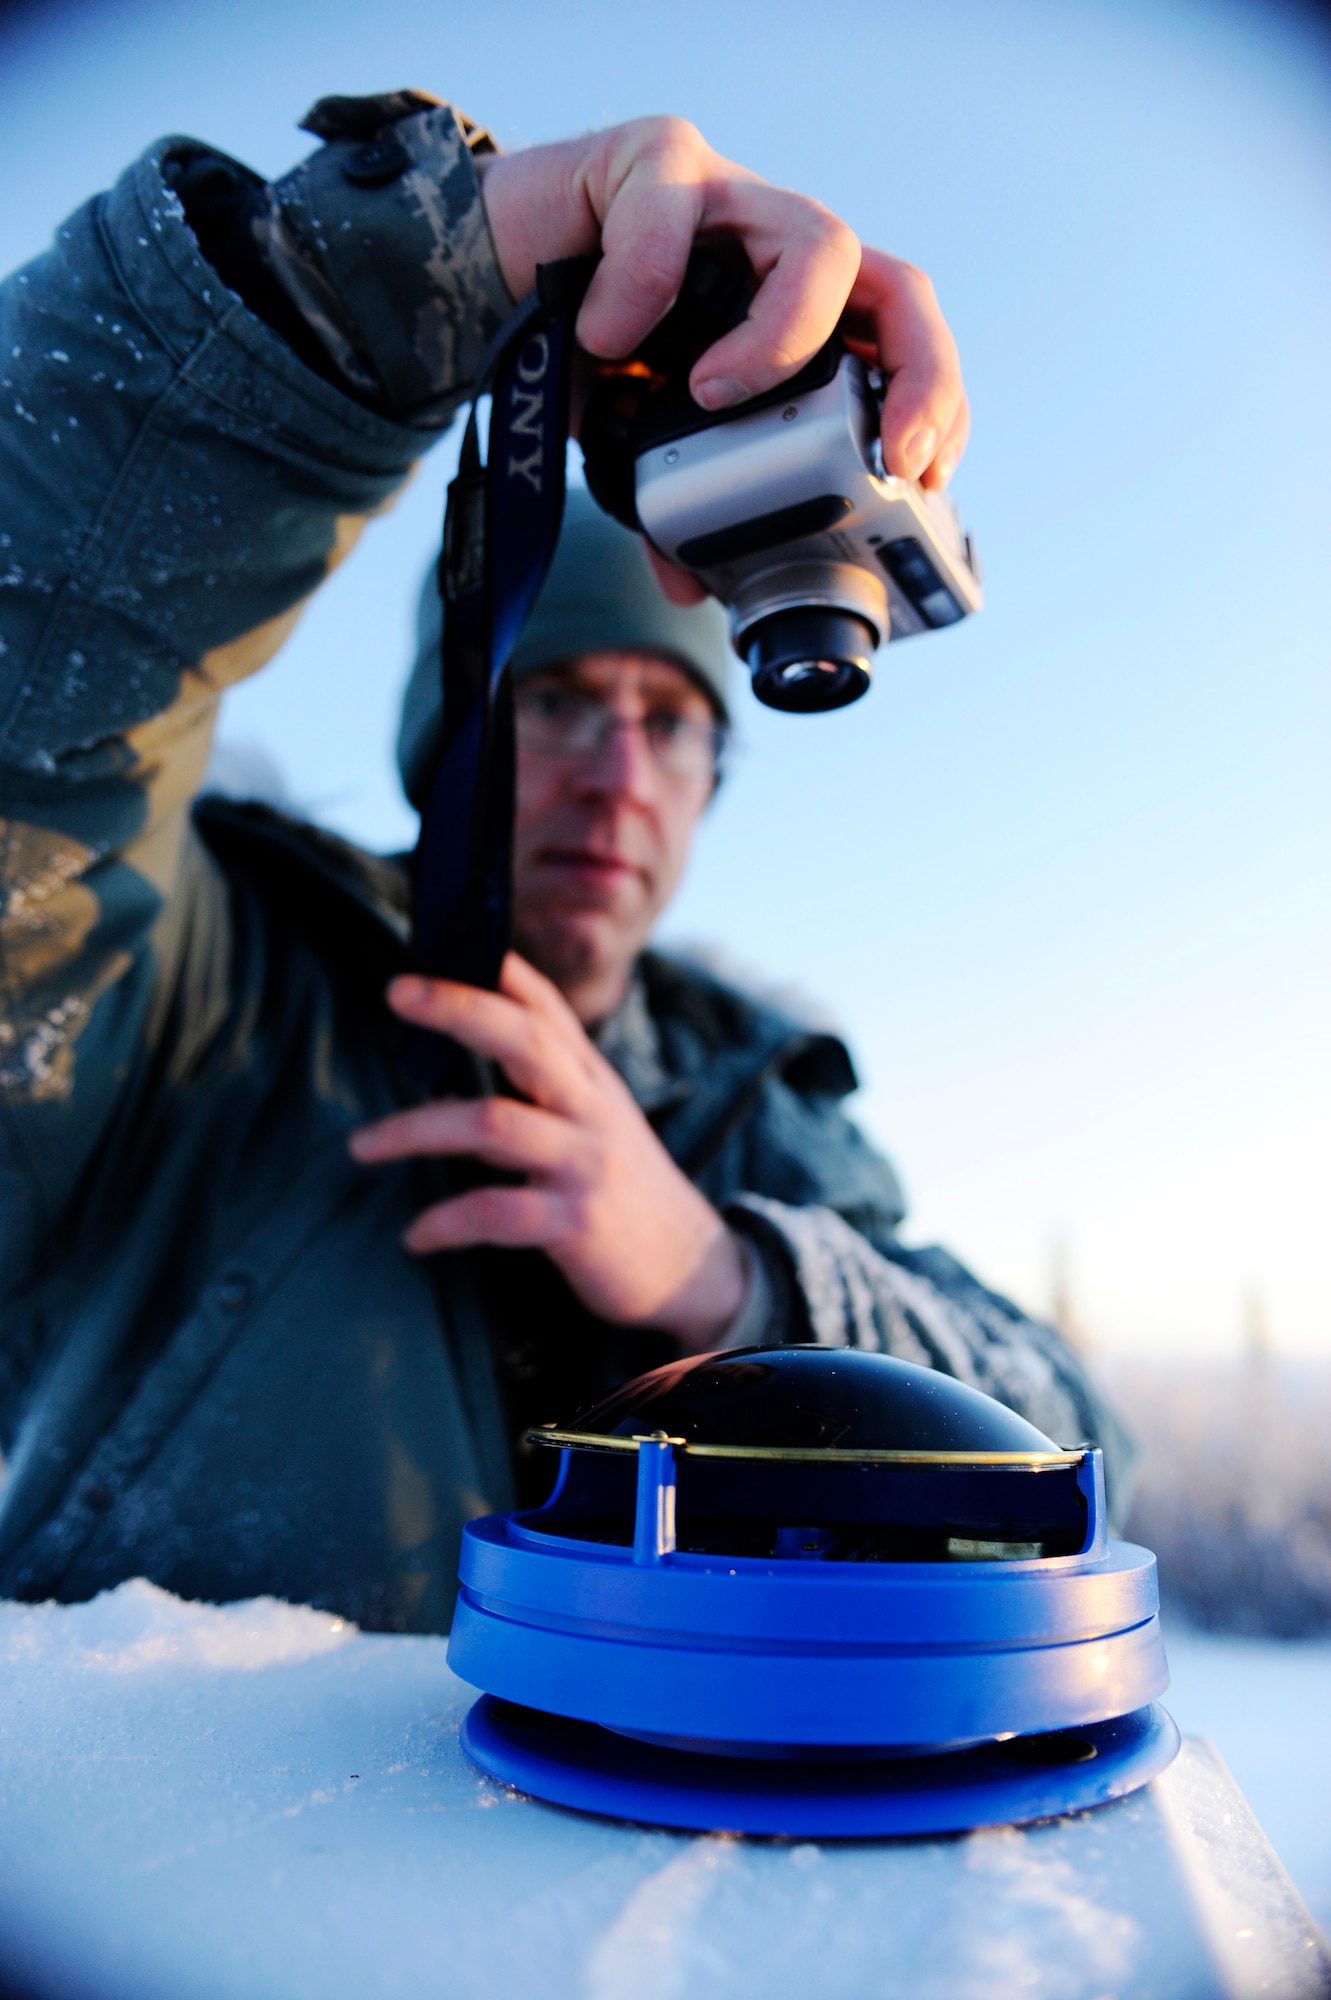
[139, 1626]
[258, 1802]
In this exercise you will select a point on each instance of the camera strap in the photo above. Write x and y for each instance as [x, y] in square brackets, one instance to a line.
[501, 527]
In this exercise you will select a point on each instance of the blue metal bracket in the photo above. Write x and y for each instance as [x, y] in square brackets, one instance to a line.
[654, 1515]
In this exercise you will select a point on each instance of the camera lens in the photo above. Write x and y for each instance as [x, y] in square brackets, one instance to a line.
[809, 659]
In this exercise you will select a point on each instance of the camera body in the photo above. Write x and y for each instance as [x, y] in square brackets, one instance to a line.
[782, 508]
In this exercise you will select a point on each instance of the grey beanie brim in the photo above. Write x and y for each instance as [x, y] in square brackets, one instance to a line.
[601, 595]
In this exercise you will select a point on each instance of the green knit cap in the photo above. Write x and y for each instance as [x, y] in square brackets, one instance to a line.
[601, 595]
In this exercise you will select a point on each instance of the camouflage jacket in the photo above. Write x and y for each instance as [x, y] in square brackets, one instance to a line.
[217, 1366]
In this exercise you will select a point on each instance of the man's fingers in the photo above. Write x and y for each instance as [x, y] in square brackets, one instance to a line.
[893, 309]
[656, 186]
[520, 981]
[647, 191]
[949, 452]
[531, 1045]
[644, 184]
[498, 1130]
[806, 260]
[518, 1218]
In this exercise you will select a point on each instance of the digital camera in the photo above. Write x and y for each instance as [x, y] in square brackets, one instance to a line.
[781, 507]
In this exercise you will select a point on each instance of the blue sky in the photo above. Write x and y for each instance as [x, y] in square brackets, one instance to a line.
[1063, 876]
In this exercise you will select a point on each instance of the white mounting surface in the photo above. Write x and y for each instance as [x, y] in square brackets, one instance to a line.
[180, 1821]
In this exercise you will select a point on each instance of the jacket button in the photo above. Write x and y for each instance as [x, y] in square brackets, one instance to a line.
[376, 162]
[235, 1292]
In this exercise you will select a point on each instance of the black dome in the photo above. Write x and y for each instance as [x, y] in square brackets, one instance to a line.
[809, 1399]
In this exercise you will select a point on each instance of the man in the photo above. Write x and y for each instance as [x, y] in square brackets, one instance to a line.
[219, 1366]
[622, 704]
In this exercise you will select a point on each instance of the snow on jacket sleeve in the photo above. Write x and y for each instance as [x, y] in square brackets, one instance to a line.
[174, 484]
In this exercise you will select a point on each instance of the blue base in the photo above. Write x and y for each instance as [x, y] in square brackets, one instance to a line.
[997, 1784]
[739, 1649]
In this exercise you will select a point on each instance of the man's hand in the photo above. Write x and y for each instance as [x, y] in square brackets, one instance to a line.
[603, 1198]
[642, 192]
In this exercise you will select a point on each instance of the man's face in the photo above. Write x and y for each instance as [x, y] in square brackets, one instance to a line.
[615, 766]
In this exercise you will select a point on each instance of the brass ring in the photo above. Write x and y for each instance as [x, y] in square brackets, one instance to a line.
[814, 1455]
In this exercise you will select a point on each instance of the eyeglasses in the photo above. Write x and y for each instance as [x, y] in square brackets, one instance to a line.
[568, 723]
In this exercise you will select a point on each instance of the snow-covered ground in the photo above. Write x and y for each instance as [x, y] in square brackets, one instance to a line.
[257, 1802]
[1266, 1705]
